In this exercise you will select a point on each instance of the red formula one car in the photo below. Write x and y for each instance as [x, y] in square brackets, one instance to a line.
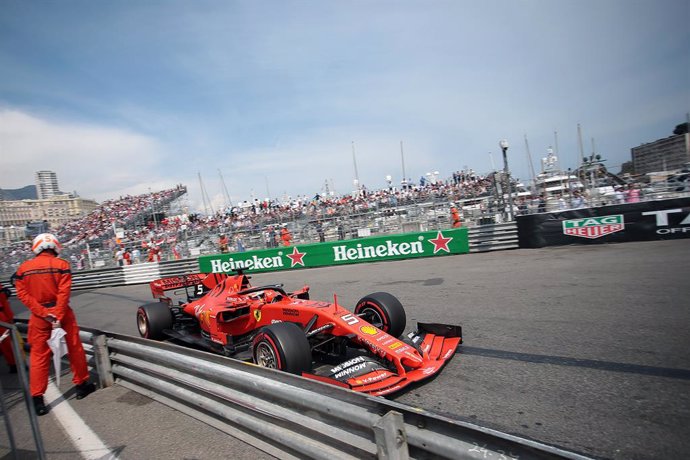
[361, 349]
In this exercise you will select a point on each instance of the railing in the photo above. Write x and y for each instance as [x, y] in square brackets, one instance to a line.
[493, 237]
[285, 414]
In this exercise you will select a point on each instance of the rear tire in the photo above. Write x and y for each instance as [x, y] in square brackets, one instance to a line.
[384, 311]
[282, 346]
[152, 319]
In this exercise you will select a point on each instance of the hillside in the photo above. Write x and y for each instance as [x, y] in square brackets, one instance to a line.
[24, 193]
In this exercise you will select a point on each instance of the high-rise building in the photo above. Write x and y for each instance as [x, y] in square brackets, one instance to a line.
[666, 154]
[46, 184]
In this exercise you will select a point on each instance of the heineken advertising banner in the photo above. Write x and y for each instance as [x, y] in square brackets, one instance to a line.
[645, 221]
[372, 249]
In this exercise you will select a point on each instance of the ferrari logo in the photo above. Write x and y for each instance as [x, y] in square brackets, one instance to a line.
[257, 315]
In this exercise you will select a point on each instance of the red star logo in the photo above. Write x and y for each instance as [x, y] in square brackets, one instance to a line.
[440, 243]
[296, 257]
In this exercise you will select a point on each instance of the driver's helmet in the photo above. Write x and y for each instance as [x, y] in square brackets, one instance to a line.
[46, 241]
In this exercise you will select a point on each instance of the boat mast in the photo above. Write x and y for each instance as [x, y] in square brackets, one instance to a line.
[225, 190]
[555, 138]
[402, 158]
[354, 160]
[582, 149]
[204, 197]
[529, 159]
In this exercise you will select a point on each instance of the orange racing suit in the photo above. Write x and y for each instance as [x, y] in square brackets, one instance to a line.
[455, 216]
[43, 285]
[6, 316]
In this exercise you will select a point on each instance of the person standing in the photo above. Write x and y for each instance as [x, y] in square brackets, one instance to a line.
[6, 316]
[223, 243]
[455, 216]
[319, 230]
[43, 285]
[285, 235]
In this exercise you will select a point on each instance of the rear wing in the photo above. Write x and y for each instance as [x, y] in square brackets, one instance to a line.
[203, 281]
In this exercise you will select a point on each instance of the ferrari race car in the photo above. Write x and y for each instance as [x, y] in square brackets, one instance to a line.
[361, 349]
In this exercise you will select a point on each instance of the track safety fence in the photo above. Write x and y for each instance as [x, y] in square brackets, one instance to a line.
[289, 416]
[495, 237]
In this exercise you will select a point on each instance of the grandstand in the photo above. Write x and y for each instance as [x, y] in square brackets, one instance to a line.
[157, 220]
[93, 236]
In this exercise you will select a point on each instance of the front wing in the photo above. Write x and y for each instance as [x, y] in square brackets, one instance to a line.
[437, 343]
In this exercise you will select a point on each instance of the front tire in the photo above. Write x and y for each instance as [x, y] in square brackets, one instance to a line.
[152, 319]
[384, 311]
[282, 346]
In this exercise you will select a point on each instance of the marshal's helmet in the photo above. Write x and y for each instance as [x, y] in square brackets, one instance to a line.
[46, 241]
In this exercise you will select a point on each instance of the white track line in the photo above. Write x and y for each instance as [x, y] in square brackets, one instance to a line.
[86, 442]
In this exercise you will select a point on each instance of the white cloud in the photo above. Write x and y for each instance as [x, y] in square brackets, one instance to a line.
[97, 161]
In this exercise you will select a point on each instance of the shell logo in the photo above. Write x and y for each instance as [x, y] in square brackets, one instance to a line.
[369, 330]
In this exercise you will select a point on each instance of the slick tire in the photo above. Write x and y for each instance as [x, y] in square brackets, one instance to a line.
[384, 311]
[152, 319]
[282, 346]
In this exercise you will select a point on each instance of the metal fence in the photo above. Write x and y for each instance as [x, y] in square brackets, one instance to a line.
[482, 239]
[290, 416]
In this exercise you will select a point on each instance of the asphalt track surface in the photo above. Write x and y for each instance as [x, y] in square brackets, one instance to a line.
[584, 347]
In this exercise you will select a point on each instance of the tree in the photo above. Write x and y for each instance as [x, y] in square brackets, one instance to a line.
[627, 168]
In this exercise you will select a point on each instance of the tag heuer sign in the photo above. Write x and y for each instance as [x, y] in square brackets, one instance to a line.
[594, 227]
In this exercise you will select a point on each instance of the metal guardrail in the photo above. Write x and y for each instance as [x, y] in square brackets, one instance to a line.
[496, 237]
[286, 415]
[12, 333]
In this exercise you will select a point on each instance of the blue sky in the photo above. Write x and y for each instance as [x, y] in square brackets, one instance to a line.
[119, 97]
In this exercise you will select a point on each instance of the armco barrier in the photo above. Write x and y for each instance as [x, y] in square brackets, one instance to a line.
[481, 239]
[287, 415]
[493, 237]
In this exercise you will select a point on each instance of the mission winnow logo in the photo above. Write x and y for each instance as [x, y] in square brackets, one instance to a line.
[594, 227]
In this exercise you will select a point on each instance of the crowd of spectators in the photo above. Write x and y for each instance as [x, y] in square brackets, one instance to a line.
[95, 228]
[264, 214]
[145, 239]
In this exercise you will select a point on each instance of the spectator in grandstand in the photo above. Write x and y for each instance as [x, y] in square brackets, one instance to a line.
[7, 316]
[177, 251]
[81, 261]
[319, 231]
[154, 253]
[127, 257]
[43, 285]
[136, 256]
[240, 244]
[120, 256]
[271, 237]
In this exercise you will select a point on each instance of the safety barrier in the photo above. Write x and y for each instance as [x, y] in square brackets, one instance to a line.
[496, 237]
[12, 333]
[481, 239]
[283, 414]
